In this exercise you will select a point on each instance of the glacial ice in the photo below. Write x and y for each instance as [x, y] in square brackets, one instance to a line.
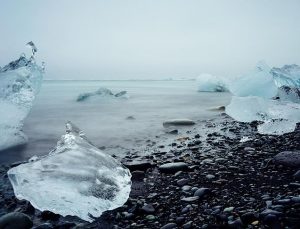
[20, 81]
[210, 83]
[253, 99]
[75, 178]
[258, 82]
[104, 92]
[286, 93]
[278, 117]
[288, 75]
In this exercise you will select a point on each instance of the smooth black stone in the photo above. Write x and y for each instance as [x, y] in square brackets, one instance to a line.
[169, 226]
[295, 199]
[248, 218]
[180, 219]
[188, 225]
[236, 224]
[272, 221]
[173, 167]
[47, 215]
[65, 225]
[297, 175]
[137, 165]
[138, 175]
[182, 182]
[190, 199]
[44, 226]
[270, 211]
[15, 220]
[202, 192]
[148, 209]
[294, 185]
[288, 158]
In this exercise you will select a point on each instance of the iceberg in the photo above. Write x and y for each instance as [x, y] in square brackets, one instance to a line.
[287, 79]
[277, 117]
[258, 82]
[286, 93]
[210, 83]
[75, 178]
[20, 81]
[253, 99]
[288, 75]
[104, 92]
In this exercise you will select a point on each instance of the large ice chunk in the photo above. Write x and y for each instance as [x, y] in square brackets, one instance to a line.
[102, 92]
[20, 81]
[286, 93]
[278, 117]
[287, 80]
[288, 75]
[76, 178]
[254, 95]
[210, 83]
[258, 82]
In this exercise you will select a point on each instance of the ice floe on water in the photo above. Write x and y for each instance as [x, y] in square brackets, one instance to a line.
[101, 92]
[210, 83]
[20, 81]
[75, 178]
[267, 95]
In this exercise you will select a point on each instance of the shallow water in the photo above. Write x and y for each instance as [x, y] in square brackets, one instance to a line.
[104, 120]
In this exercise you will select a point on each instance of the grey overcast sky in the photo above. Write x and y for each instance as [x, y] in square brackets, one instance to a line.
[142, 39]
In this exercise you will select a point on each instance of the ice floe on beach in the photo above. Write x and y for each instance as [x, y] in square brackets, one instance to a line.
[20, 81]
[101, 92]
[75, 178]
[288, 75]
[258, 82]
[262, 95]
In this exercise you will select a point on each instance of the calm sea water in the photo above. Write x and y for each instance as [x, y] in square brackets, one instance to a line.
[104, 120]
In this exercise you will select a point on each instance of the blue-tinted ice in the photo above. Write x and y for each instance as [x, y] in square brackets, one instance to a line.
[210, 83]
[268, 95]
[20, 81]
[75, 178]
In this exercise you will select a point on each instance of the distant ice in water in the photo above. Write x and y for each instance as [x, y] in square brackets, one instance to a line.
[75, 178]
[103, 92]
[20, 81]
[210, 83]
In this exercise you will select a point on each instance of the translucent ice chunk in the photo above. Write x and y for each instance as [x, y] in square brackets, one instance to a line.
[254, 95]
[288, 75]
[258, 82]
[103, 92]
[20, 81]
[210, 83]
[279, 117]
[247, 109]
[76, 179]
[286, 93]
[277, 126]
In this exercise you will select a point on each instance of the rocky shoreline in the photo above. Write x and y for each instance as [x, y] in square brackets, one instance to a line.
[211, 180]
